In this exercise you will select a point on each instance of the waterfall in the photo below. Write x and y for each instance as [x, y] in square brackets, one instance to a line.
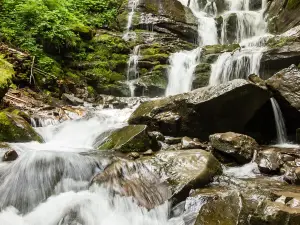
[250, 33]
[132, 5]
[182, 67]
[132, 70]
[280, 125]
[183, 63]
[49, 183]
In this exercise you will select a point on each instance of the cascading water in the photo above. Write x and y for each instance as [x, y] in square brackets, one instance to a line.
[132, 71]
[183, 64]
[49, 183]
[181, 70]
[132, 5]
[250, 32]
[280, 125]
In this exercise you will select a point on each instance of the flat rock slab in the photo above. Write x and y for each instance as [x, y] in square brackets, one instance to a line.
[204, 111]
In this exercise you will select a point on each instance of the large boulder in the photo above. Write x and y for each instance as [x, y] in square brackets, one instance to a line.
[145, 178]
[203, 111]
[184, 170]
[240, 147]
[286, 88]
[14, 128]
[252, 202]
[6, 73]
[132, 138]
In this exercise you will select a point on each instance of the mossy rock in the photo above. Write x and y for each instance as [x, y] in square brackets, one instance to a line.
[132, 138]
[6, 74]
[162, 58]
[213, 49]
[14, 128]
[201, 75]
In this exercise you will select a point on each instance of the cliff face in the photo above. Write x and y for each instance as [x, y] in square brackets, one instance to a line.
[283, 15]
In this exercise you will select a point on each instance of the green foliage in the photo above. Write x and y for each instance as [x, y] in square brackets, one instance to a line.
[51, 30]
[36, 24]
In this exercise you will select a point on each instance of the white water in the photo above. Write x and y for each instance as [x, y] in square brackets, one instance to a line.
[132, 70]
[183, 63]
[181, 71]
[250, 34]
[49, 183]
[132, 5]
[280, 124]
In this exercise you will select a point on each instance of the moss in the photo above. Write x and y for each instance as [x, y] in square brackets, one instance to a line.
[213, 49]
[162, 58]
[13, 128]
[276, 42]
[6, 74]
[293, 4]
[132, 138]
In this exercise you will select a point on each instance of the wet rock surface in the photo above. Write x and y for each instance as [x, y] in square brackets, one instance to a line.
[133, 138]
[285, 86]
[203, 111]
[246, 201]
[241, 147]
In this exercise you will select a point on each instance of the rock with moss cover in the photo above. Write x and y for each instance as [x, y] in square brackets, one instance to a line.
[283, 15]
[132, 138]
[240, 147]
[201, 75]
[203, 111]
[184, 170]
[251, 201]
[6, 73]
[282, 51]
[14, 128]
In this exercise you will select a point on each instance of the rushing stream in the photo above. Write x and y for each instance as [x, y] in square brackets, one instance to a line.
[51, 183]
[55, 174]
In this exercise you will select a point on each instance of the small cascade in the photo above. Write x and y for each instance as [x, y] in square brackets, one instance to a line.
[132, 5]
[250, 34]
[183, 63]
[132, 71]
[280, 124]
[182, 67]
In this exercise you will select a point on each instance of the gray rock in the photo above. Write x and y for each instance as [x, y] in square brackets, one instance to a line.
[204, 111]
[240, 147]
[269, 161]
[72, 100]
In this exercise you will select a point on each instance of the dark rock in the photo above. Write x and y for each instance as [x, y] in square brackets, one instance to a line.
[132, 138]
[253, 202]
[286, 88]
[239, 146]
[72, 100]
[201, 75]
[203, 111]
[298, 135]
[10, 155]
[282, 51]
[188, 143]
[269, 161]
[283, 15]
[156, 135]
